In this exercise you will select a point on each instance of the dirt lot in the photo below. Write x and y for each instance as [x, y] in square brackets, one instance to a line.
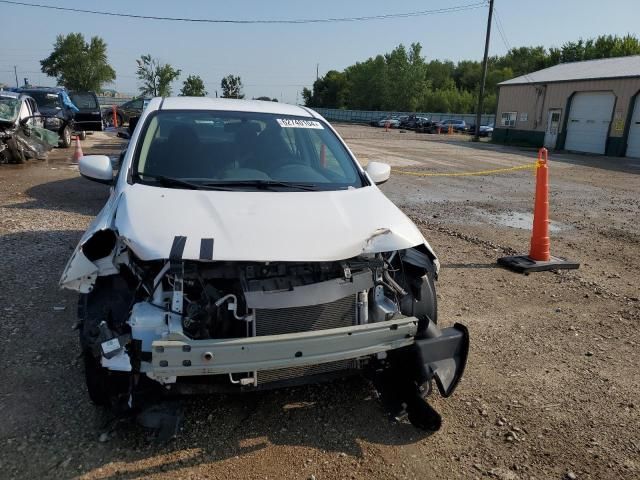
[552, 387]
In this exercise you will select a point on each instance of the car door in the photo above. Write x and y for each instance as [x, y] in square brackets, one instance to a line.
[89, 117]
[37, 120]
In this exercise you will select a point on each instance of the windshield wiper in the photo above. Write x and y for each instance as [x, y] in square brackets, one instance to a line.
[177, 182]
[263, 184]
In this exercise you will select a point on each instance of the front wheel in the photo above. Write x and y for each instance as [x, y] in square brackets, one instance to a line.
[65, 139]
[108, 302]
[83, 135]
[16, 152]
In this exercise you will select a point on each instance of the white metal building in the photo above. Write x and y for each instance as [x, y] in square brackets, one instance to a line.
[591, 107]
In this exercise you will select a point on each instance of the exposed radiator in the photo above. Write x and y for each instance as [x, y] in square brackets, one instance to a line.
[341, 313]
[268, 376]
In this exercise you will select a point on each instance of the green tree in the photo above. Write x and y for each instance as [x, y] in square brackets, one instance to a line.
[231, 87]
[329, 91]
[156, 77]
[402, 80]
[440, 74]
[79, 65]
[193, 86]
[266, 99]
[368, 84]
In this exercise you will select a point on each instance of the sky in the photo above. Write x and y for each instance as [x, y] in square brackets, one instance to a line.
[279, 60]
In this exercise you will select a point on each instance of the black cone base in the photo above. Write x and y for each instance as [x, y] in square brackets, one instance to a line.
[523, 264]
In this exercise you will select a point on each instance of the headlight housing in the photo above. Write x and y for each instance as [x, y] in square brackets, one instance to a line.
[52, 122]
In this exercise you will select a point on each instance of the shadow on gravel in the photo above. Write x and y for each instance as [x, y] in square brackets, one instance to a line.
[331, 418]
[77, 195]
[470, 265]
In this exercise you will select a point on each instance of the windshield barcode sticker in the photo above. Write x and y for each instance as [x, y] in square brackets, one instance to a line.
[291, 123]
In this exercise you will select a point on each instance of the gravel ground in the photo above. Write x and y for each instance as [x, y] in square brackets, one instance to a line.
[552, 386]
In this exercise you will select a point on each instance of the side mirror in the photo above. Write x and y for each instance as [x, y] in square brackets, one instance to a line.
[378, 172]
[97, 168]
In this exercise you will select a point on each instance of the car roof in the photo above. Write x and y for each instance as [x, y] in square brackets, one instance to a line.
[230, 105]
[7, 93]
[16, 95]
[43, 89]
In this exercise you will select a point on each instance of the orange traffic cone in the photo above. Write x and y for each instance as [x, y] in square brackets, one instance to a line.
[77, 153]
[540, 250]
[539, 258]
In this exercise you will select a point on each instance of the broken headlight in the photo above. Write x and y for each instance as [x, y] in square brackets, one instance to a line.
[52, 122]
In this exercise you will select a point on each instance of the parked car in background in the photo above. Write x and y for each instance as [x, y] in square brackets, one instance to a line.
[417, 123]
[88, 117]
[459, 126]
[486, 130]
[21, 133]
[173, 302]
[132, 108]
[393, 122]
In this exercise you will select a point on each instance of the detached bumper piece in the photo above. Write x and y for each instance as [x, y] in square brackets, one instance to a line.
[443, 356]
[440, 355]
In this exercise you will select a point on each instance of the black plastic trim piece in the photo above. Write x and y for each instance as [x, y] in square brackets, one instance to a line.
[177, 248]
[206, 249]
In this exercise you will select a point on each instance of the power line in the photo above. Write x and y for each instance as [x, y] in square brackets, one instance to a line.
[504, 39]
[501, 31]
[419, 13]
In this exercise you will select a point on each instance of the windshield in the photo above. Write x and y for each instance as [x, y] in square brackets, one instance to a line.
[84, 100]
[44, 99]
[9, 108]
[242, 150]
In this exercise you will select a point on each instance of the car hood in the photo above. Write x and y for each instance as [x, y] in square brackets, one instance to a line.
[262, 226]
[50, 112]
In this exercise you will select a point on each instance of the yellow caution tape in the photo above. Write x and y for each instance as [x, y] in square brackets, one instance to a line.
[528, 166]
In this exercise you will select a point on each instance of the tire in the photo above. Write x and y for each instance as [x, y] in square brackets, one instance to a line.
[105, 303]
[66, 139]
[16, 152]
[83, 135]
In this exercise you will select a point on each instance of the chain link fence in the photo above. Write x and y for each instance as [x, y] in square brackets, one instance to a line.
[366, 116]
[354, 116]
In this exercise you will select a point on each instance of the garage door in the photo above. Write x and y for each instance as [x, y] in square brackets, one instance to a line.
[588, 123]
[633, 142]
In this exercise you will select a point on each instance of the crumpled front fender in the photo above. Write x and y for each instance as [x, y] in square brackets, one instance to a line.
[81, 270]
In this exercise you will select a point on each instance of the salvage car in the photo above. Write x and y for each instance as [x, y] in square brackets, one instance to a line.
[55, 104]
[244, 248]
[21, 134]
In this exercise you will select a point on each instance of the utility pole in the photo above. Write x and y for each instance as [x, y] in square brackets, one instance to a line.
[317, 70]
[15, 72]
[484, 73]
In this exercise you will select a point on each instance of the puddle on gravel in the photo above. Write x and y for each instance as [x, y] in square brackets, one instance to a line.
[520, 220]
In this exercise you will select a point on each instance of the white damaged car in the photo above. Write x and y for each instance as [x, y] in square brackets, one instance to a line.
[243, 247]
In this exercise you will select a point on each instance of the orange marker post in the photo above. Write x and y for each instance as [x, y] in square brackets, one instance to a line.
[115, 117]
[539, 258]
